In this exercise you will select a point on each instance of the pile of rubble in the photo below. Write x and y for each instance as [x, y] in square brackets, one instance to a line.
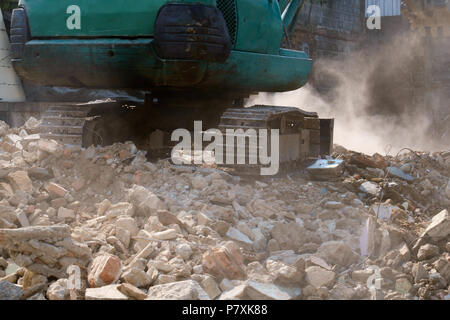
[104, 223]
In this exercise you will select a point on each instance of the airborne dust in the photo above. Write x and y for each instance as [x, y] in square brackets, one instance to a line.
[377, 98]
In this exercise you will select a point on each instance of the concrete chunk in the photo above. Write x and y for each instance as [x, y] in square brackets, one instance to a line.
[10, 291]
[268, 291]
[182, 290]
[440, 225]
[110, 292]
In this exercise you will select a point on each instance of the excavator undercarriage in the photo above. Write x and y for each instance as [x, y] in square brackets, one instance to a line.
[302, 135]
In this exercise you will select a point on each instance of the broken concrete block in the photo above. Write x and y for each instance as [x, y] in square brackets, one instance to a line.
[224, 262]
[317, 261]
[78, 184]
[427, 251]
[268, 291]
[131, 291]
[419, 272]
[41, 249]
[102, 207]
[319, 277]
[260, 241]
[20, 181]
[39, 173]
[361, 275]
[13, 139]
[120, 209]
[257, 272]
[165, 279]
[442, 266]
[221, 227]
[137, 277]
[138, 194]
[290, 236]
[182, 290]
[211, 288]
[6, 189]
[50, 146]
[204, 220]
[22, 218]
[58, 202]
[283, 273]
[439, 227]
[261, 208]
[236, 235]
[37, 296]
[55, 190]
[8, 213]
[337, 252]
[167, 218]
[273, 245]
[403, 286]
[10, 291]
[129, 224]
[124, 236]
[32, 125]
[184, 250]
[110, 292]
[235, 293]
[31, 279]
[342, 292]
[364, 161]
[370, 188]
[65, 213]
[199, 182]
[58, 290]
[104, 270]
[404, 253]
[169, 234]
[146, 202]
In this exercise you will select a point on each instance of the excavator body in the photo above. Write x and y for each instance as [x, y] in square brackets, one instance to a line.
[196, 60]
[232, 45]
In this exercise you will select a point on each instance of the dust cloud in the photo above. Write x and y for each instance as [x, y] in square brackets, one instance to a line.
[376, 97]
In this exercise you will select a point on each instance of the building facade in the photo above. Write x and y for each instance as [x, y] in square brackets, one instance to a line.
[430, 20]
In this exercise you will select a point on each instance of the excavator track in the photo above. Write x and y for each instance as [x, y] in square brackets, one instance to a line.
[65, 124]
[302, 135]
[75, 124]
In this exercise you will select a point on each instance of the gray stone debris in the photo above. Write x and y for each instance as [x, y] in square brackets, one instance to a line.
[122, 228]
[110, 292]
[182, 290]
[44, 250]
[10, 291]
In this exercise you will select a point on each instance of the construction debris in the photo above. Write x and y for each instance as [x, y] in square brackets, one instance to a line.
[326, 168]
[95, 224]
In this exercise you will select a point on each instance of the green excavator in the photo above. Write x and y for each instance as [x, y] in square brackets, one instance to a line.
[195, 60]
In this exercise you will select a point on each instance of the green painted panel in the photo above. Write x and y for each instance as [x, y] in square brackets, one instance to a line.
[120, 63]
[48, 18]
[293, 53]
[260, 27]
[206, 2]
[257, 72]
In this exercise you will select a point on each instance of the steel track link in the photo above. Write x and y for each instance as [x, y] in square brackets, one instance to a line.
[65, 124]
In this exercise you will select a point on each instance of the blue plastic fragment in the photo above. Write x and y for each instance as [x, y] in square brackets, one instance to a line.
[394, 171]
